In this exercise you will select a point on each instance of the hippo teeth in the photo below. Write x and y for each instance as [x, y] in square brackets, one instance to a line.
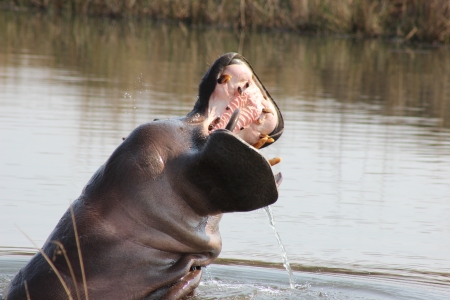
[274, 161]
[263, 139]
[224, 78]
[240, 104]
[233, 120]
[193, 268]
[267, 111]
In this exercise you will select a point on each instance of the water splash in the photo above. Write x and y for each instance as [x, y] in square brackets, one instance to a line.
[208, 274]
[286, 264]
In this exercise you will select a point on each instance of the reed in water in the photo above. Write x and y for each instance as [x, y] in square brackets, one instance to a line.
[417, 20]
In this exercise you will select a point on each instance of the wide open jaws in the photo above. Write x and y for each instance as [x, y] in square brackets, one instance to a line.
[231, 83]
[238, 91]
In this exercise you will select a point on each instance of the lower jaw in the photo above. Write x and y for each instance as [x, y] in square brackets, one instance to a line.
[184, 288]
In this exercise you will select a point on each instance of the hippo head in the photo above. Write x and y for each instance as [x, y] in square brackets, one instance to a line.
[236, 117]
[232, 97]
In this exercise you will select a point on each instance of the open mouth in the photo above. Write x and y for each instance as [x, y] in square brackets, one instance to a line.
[233, 117]
[241, 104]
[185, 286]
[232, 97]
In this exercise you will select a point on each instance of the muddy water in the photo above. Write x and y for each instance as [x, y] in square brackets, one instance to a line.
[366, 150]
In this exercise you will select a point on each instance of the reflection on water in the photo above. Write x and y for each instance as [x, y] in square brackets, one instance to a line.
[366, 150]
[264, 284]
[244, 282]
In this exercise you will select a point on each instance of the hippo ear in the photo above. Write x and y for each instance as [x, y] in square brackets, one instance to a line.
[227, 175]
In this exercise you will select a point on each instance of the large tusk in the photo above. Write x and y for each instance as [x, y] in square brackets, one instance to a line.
[261, 142]
[233, 120]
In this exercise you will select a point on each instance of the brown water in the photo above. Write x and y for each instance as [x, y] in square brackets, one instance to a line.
[366, 150]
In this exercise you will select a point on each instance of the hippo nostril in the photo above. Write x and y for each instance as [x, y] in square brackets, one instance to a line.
[239, 90]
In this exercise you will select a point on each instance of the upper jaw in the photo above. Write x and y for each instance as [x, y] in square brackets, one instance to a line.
[230, 88]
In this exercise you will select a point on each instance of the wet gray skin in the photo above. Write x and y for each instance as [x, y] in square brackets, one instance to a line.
[147, 221]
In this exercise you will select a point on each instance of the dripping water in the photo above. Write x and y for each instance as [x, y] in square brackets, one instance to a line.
[286, 264]
[207, 272]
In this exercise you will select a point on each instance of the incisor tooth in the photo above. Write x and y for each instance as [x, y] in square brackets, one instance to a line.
[269, 139]
[224, 78]
[260, 143]
[274, 161]
[267, 110]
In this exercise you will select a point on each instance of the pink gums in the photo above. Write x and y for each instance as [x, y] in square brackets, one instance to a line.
[241, 91]
[249, 112]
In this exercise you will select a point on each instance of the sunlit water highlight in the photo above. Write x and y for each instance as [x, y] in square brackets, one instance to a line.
[366, 148]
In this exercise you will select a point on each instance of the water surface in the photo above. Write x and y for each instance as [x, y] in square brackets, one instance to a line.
[366, 149]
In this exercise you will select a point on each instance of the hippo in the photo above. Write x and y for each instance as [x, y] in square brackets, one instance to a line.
[147, 221]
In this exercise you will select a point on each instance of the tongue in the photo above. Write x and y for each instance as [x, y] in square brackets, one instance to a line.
[233, 120]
